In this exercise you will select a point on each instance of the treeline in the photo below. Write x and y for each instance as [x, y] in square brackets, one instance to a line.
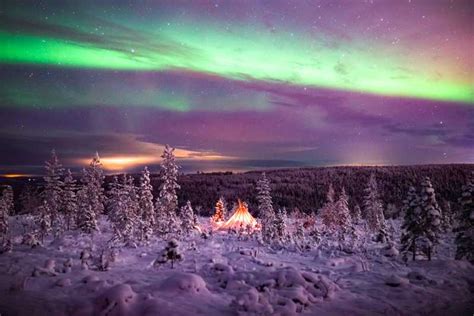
[306, 188]
[303, 188]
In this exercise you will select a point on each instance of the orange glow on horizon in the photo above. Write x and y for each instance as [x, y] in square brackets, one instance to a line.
[15, 175]
[123, 162]
[120, 163]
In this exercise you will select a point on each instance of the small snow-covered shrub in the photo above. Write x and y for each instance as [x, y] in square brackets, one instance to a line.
[49, 269]
[170, 253]
[31, 239]
[67, 265]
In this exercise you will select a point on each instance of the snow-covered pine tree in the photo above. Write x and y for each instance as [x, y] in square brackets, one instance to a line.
[465, 230]
[412, 223]
[69, 199]
[446, 217]
[86, 219]
[167, 202]
[4, 219]
[431, 214]
[220, 213]
[300, 238]
[281, 230]
[7, 195]
[53, 191]
[373, 209]
[113, 196]
[114, 208]
[357, 215]
[147, 209]
[343, 216]
[123, 208]
[133, 211]
[195, 219]
[187, 219]
[265, 208]
[328, 212]
[170, 253]
[43, 220]
[93, 180]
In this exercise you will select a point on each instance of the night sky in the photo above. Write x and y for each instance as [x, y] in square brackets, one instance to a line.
[236, 85]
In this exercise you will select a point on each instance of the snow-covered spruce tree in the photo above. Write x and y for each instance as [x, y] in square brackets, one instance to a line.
[300, 238]
[343, 217]
[4, 220]
[146, 207]
[113, 195]
[357, 215]
[69, 199]
[328, 212]
[114, 208]
[465, 230]
[93, 180]
[220, 213]
[123, 207]
[412, 224]
[431, 215]
[43, 220]
[167, 202]
[280, 230]
[7, 196]
[53, 191]
[265, 208]
[446, 217]
[133, 211]
[187, 219]
[87, 218]
[170, 253]
[374, 210]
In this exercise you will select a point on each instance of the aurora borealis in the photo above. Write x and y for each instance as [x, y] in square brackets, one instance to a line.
[237, 84]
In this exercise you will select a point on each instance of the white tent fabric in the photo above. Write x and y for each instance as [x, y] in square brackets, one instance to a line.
[240, 219]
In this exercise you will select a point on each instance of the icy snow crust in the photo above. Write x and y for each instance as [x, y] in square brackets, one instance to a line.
[223, 275]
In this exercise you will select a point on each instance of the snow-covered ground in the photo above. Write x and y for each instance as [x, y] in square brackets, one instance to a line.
[223, 275]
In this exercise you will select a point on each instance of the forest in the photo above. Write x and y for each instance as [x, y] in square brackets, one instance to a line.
[302, 188]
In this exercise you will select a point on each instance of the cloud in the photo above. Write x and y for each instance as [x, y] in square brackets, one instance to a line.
[119, 152]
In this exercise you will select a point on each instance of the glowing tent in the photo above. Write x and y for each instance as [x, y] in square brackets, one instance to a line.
[240, 219]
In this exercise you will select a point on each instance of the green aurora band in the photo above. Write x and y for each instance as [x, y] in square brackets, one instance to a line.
[244, 55]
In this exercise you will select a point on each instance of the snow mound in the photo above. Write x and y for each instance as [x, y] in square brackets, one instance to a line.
[391, 252]
[90, 279]
[283, 291]
[252, 302]
[118, 300]
[182, 282]
[64, 282]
